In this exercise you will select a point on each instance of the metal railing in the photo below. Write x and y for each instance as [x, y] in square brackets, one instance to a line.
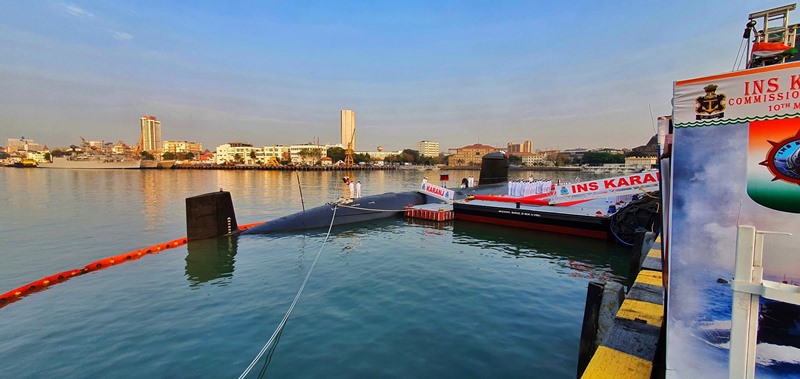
[748, 287]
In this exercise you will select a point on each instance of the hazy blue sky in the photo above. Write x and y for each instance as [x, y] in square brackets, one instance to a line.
[560, 73]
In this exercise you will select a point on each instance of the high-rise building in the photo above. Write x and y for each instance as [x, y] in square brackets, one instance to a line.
[524, 147]
[348, 129]
[527, 146]
[428, 148]
[151, 135]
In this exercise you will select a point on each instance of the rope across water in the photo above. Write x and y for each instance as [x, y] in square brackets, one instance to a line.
[279, 329]
[368, 209]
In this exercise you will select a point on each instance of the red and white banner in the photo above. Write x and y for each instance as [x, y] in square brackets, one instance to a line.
[642, 179]
[437, 192]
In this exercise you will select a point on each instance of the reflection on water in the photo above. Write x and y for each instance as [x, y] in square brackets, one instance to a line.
[211, 259]
[153, 193]
[579, 257]
[428, 223]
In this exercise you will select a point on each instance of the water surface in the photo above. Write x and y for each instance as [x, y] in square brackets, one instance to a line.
[390, 298]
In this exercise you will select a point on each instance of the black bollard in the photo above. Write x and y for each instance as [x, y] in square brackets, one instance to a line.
[591, 316]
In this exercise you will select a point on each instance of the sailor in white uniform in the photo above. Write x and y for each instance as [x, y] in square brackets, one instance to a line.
[352, 189]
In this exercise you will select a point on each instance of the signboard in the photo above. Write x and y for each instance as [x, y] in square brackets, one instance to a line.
[627, 182]
[734, 162]
[437, 192]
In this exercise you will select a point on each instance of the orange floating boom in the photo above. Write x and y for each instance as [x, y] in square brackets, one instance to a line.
[41, 284]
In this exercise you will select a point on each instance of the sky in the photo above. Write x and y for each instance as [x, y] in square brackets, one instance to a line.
[562, 74]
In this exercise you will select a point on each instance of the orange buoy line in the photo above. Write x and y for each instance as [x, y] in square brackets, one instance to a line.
[41, 284]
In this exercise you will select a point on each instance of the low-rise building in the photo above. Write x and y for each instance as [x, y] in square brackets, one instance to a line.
[470, 155]
[21, 145]
[245, 153]
[641, 162]
[38, 156]
[379, 154]
[234, 153]
[537, 159]
[183, 147]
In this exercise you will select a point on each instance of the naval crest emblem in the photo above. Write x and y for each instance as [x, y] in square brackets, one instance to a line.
[711, 105]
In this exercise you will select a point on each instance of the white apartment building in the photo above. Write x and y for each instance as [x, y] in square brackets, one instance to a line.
[536, 159]
[379, 154]
[229, 152]
[428, 148]
[641, 162]
[234, 152]
[183, 147]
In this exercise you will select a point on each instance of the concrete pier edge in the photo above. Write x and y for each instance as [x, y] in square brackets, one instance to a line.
[630, 348]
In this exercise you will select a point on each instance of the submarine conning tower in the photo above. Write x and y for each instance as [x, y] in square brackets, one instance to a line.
[494, 168]
[210, 215]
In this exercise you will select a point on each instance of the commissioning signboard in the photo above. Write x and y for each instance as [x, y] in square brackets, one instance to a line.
[734, 162]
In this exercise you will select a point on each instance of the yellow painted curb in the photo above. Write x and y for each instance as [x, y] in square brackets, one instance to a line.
[651, 313]
[610, 363]
[653, 278]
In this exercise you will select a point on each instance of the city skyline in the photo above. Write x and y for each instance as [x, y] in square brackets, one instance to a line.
[472, 73]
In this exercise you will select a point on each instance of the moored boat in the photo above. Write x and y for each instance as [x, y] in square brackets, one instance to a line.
[24, 163]
[166, 164]
[148, 164]
[588, 209]
[589, 219]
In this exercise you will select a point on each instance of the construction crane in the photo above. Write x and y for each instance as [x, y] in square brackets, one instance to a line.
[137, 150]
[272, 162]
[87, 145]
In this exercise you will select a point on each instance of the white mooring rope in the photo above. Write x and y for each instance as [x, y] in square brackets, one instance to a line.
[369, 209]
[291, 307]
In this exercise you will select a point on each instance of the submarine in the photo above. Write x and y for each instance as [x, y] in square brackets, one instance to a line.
[212, 215]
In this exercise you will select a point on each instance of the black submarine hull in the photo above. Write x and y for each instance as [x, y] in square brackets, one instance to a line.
[211, 215]
[359, 210]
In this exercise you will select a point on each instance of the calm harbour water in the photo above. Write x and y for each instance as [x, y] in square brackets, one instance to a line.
[387, 299]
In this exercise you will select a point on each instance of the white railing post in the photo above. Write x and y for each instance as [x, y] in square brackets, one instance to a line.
[748, 287]
[744, 315]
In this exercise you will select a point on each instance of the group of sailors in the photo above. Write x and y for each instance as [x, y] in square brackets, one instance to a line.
[529, 187]
[352, 190]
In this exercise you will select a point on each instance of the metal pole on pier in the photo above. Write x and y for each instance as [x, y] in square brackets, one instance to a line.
[302, 202]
